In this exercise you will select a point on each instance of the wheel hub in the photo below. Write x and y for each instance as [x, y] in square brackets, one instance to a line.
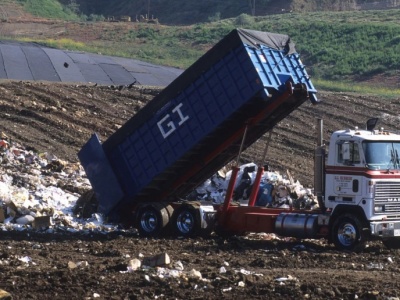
[185, 222]
[347, 234]
[149, 221]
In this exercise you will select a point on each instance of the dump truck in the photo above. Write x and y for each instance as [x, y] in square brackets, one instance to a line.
[229, 98]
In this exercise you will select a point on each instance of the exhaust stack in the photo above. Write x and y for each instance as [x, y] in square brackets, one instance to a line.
[319, 166]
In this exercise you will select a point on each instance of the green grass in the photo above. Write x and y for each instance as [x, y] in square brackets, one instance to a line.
[48, 9]
[333, 46]
[61, 44]
[338, 86]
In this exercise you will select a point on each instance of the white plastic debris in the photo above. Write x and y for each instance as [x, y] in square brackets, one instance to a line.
[165, 272]
[134, 264]
[377, 266]
[83, 263]
[245, 272]
[195, 274]
[178, 265]
[24, 220]
[288, 278]
[222, 270]
[25, 259]
[4, 192]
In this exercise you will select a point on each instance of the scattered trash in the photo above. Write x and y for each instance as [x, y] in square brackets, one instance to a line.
[24, 220]
[378, 266]
[195, 274]
[5, 295]
[287, 278]
[83, 263]
[39, 191]
[245, 272]
[164, 272]
[134, 264]
[72, 265]
[178, 265]
[25, 259]
[158, 260]
[275, 190]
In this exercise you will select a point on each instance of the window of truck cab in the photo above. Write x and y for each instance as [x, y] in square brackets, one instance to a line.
[348, 153]
[382, 154]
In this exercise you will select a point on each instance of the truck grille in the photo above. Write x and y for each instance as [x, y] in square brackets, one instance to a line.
[388, 194]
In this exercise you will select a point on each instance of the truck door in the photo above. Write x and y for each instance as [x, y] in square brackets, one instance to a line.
[344, 185]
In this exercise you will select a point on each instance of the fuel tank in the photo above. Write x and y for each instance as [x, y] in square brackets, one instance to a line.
[297, 225]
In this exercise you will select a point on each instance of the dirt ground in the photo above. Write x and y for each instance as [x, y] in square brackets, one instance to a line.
[59, 118]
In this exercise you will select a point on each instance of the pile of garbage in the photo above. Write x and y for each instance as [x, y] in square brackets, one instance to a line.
[275, 190]
[41, 191]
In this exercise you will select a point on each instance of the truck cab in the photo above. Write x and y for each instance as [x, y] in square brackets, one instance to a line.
[362, 185]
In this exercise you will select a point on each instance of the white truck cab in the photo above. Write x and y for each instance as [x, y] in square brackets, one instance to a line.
[359, 184]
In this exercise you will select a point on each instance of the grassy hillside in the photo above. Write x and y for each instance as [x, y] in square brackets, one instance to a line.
[335, 46]
[177, 12]
[48, 9]
[332, 45]
[171, 12]
[346, 43]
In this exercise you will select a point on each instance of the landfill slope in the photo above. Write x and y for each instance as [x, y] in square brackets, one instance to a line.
[85, 264]
[60, 118]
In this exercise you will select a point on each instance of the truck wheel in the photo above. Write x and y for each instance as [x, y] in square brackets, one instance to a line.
[347, 233]
[152, 219]
[186, 221]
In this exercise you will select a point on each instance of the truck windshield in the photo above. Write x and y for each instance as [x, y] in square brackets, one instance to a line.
[382, 155]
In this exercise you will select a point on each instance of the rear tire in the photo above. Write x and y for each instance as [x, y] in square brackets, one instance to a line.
[186, 221]
[348, 233]
[152, 219]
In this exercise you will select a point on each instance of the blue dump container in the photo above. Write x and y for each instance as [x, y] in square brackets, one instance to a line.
[195, 125]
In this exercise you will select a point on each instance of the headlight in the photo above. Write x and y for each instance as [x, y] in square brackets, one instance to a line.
[380, 208]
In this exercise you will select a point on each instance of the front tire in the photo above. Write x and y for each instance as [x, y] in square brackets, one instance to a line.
[348, 233]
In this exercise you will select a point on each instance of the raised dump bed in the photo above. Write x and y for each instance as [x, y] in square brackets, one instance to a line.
[250, 80]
